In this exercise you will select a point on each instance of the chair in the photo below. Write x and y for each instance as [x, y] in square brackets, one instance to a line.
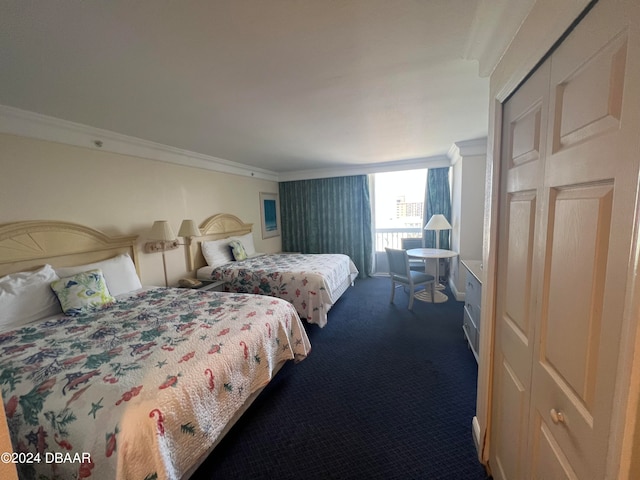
[408, 244]
[400, 273]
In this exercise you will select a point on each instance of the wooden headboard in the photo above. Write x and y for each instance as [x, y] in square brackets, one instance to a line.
[25, 245]
[218, 226]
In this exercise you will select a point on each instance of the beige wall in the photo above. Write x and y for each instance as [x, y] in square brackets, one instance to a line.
[121, 195]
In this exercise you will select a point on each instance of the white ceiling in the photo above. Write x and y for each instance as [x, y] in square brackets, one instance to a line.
[284, 85]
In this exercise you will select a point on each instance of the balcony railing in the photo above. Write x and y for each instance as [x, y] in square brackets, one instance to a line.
[391, 237]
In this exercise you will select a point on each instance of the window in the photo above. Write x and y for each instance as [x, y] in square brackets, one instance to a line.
[398, 206]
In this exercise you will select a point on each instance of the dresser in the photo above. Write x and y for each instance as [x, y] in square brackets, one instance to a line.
[473, 296]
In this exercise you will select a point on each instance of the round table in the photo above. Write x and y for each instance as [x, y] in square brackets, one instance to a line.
[426, 254]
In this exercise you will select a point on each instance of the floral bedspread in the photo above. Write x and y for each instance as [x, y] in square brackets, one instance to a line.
[141, 388]
[312, 283]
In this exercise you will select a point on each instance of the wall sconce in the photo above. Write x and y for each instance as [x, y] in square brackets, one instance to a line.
[165, 240]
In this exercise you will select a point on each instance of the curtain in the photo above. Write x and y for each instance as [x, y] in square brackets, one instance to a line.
[329, 215]
[437, 200]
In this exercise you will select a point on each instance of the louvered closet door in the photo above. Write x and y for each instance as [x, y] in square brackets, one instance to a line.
[567, 206]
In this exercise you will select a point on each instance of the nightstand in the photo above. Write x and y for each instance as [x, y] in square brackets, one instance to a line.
[212, 285]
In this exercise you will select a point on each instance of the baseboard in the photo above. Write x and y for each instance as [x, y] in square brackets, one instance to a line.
[459, 296]
[475, 430]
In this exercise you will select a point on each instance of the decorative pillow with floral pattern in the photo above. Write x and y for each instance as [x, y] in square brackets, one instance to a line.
[239, 253]
[82, 291]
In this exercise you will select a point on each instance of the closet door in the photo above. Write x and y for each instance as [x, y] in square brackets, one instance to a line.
[569, 178]
[523, 156]
[590, 181]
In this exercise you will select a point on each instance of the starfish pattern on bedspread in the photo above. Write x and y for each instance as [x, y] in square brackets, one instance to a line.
[145, 384]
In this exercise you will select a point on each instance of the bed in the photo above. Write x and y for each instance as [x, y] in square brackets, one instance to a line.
[143, 386]
[312, 283]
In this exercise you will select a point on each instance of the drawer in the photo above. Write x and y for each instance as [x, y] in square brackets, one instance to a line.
[469, 314]
[473, 290]
[468, 310]
[474, 312]
[470, 330]
[472, 334]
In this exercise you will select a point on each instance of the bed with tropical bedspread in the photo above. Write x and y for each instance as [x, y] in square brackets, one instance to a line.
[140, 388]
[311, 282]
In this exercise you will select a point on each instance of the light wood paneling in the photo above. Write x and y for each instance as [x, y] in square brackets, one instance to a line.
[600, 80]
[526, 137]
[519, 255]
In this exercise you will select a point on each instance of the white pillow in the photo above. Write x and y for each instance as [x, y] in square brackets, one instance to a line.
[217, 252]
[247, 243]
[26, 297]
[119, 273]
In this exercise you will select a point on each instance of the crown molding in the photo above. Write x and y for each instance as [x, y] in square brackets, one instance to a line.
[467, 148]
[495, 24]
[15, 121]
[24, 123]
[365, 169]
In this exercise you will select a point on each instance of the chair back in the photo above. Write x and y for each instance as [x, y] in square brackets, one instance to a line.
[409, 243]
[398, 263]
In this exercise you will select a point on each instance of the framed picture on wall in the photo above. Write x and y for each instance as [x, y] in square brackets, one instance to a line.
[270, 214]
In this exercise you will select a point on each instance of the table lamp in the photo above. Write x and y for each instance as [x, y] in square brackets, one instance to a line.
[438, 222]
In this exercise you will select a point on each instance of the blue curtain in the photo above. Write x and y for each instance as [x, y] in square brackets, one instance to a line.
[437, 201]
[329, 215]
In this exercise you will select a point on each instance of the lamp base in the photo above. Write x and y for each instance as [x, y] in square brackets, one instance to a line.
[164, 267]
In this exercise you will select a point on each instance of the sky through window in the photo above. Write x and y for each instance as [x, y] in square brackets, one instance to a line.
[392, 190]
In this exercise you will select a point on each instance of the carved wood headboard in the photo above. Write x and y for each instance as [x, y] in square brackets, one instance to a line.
[216, 227]
[26, 245]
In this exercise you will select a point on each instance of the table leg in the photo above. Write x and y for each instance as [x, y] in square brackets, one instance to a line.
[439, 286]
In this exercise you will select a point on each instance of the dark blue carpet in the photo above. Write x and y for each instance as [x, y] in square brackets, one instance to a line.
[385, 394]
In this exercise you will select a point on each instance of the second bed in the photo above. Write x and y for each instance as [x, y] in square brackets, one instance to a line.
[313, 283]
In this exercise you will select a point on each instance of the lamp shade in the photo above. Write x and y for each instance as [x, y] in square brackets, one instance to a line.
[161, 230]
[438, 222]
[188, 229]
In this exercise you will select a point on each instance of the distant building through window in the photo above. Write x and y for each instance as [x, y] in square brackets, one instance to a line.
[406, 209]
[398, 206]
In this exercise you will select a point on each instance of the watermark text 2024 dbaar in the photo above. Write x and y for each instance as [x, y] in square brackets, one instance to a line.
[47, 457]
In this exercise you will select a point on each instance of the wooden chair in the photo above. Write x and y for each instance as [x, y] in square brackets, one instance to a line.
[400, 273]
